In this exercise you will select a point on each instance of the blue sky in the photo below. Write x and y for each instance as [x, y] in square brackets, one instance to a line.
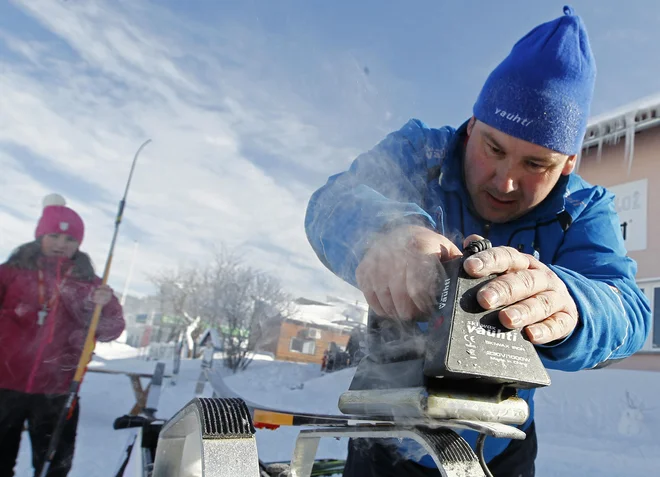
[251, 105]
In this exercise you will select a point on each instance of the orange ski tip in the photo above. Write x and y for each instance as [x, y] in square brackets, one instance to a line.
[272, 418]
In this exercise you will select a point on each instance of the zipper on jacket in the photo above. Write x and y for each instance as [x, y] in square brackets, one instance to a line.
[486, 230]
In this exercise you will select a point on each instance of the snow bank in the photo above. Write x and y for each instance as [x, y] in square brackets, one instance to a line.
[590, 424]
[115, 350]
[599, 423]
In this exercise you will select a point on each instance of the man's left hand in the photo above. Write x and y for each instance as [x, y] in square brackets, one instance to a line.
[533, 296]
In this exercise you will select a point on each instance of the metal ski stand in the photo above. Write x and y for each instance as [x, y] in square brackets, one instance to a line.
[208, 437]
[215, 437]
[207, 363]
[176, 365]
[145, 428]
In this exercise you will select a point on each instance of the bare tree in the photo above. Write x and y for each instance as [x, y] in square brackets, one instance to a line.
[181, 295]
[230, 297]
[246, 301]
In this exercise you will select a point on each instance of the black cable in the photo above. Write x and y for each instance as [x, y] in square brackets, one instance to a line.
[480, 453]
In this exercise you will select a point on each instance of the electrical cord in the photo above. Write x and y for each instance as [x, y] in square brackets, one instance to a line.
[480, 453]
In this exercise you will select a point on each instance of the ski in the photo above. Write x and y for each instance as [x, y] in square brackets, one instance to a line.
[267, 417]
[209, 434]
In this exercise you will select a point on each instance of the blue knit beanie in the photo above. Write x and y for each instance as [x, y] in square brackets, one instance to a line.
[542, 91]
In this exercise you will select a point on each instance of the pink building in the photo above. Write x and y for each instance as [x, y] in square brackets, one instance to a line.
[622, 152]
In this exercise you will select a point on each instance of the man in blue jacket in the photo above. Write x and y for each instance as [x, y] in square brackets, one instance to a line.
[506, 174]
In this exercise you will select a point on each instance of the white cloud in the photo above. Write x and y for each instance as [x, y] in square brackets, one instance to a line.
[117, 73]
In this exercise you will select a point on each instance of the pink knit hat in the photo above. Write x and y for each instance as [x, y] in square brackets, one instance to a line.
[58, 219]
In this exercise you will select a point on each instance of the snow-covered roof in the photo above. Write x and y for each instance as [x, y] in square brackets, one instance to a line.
[612, 125]
[338, 314]
[641, 103]
[338, 300]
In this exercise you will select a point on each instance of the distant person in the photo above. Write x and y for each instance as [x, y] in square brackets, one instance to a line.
[507, 174]
[332, 357]
[48, 292]
[356, 343]
[324, 360]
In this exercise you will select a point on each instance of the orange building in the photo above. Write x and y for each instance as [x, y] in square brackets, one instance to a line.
[306, 334]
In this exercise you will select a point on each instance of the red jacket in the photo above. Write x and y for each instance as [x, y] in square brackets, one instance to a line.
[42, 359]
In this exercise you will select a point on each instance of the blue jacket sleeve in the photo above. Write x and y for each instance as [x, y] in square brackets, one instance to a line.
[614, 314]
[382, 186]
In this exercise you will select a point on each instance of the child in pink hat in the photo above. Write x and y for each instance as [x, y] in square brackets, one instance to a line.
[48, 292]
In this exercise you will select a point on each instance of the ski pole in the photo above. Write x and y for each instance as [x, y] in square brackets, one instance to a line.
[90, 340]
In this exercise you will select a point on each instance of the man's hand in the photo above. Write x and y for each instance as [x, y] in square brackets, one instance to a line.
[399, 271]
[532, 294]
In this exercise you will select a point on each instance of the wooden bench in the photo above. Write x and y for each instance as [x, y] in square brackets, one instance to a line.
[139, 392]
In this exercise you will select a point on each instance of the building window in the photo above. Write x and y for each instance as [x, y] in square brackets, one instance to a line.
[656, 317]
[299, 345]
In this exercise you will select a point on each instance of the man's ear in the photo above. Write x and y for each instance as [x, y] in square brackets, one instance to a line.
[570, 165]
[470, 125]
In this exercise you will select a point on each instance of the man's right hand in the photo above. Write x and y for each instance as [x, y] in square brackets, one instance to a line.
[398, 273]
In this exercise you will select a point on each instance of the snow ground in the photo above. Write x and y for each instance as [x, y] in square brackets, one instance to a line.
[593, 423]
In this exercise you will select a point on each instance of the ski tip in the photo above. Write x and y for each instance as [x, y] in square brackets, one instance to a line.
[271, 419]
